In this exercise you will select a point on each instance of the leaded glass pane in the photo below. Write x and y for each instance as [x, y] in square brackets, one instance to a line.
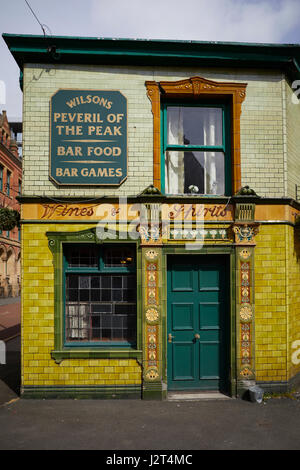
[82, 256]
[101, 307]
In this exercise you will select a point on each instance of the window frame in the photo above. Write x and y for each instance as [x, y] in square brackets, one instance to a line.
[1, 177]
[56, 240]
[198, 88]
[8, 180]
[99, 269]
[225, 147]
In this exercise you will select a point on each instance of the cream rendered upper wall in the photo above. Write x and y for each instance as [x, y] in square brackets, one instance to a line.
[263, 128]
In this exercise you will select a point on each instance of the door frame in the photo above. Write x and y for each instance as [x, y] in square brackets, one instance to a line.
[228, 251]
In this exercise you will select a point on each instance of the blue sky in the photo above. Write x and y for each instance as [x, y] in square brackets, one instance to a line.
[267, 21]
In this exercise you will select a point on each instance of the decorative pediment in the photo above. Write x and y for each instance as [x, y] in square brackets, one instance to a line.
[198, 86]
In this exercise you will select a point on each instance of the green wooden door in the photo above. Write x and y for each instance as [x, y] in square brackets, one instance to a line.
[198, 315]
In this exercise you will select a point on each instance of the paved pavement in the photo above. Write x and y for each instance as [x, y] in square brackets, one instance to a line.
[141, 425]
[10, 317]
[10, 373]
[145, 425]
[10, 300]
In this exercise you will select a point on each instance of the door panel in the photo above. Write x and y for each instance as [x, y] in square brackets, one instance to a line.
[197, 323]
[182, 316]
[182, 278]
[209, 315]
[183, 370]
[209, 360]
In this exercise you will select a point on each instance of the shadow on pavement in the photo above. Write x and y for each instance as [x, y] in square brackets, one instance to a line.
[10, 373]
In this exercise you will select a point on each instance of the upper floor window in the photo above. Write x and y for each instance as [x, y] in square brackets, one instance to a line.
[196, 157]
[1, 178]
[196, 140]
[8, 177]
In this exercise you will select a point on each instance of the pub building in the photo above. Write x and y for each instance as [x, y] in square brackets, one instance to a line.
[160, 209]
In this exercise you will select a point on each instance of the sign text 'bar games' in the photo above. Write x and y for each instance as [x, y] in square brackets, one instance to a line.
[88, 137]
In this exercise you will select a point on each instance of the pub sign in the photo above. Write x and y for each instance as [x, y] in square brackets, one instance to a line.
[88, 137]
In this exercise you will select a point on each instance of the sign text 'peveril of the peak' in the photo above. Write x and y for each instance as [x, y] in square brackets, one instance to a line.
[88, 137]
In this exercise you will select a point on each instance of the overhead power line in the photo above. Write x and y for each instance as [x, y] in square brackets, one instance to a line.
[41, 24]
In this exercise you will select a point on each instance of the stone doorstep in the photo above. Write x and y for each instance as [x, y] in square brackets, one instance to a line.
[193, 396]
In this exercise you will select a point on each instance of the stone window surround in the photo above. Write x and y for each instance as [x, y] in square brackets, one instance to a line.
[197, 88]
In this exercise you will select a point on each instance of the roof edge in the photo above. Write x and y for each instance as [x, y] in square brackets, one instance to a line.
[93, 50]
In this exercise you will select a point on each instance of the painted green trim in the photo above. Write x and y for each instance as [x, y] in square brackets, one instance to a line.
[225, 147]
[82, 392]
[230, 251]
[56, 240]
[281, 386]
[113, 199]
[207, 222]
[82, 50]
[190, 295]
[163, 142]
[200, 148]
[93, 353]
[233, 345]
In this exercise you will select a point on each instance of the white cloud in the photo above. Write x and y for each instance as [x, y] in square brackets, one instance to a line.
[206, 20]
[216, 20]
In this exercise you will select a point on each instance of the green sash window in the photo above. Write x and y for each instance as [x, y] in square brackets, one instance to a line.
[196, 157]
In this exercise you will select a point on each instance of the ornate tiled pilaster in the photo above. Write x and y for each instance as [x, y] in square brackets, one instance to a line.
[152, 337]
[245, 243]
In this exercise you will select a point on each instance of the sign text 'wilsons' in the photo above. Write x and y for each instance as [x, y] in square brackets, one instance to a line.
[88, 137]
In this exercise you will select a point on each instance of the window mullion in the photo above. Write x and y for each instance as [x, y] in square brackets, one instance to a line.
[200, 148]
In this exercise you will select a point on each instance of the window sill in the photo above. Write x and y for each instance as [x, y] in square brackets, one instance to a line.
[91, 353]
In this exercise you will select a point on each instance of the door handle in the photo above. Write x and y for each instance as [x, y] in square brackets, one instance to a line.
[197, 336]
[170, 337]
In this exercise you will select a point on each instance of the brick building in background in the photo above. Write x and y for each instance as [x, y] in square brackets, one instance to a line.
[209, 134]
[10, 188]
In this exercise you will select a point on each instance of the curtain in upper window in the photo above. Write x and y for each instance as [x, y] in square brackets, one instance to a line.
[194, 153]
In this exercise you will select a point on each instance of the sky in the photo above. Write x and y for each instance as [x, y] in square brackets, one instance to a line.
[259, 21]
